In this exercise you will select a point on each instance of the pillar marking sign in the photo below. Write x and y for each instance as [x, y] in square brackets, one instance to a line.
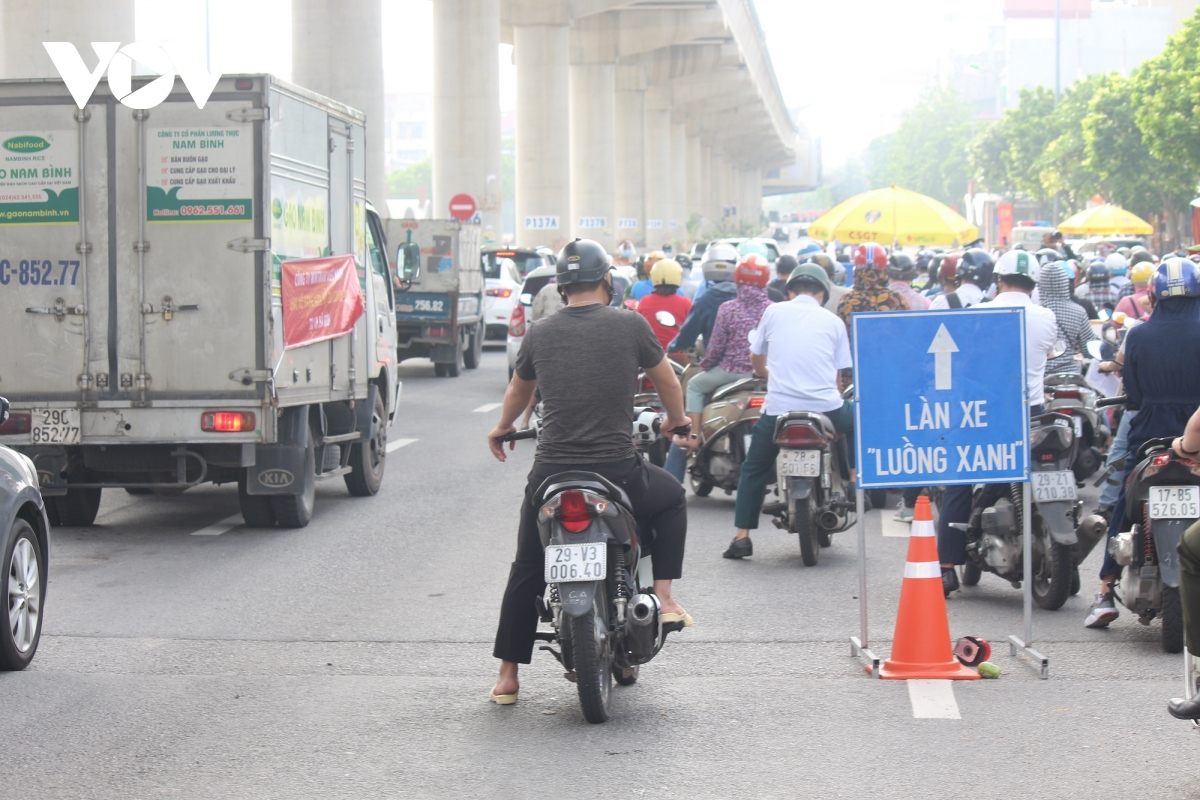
[941, 397]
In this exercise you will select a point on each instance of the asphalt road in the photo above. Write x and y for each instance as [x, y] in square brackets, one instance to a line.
[353, 659]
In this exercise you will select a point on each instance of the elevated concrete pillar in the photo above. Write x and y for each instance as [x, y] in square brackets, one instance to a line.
[694, 191]
[323, 33]
[25, 25]
[658, 177]
[631, 154]
[709, 206]
[679, 215]
[753, 192]
[466, 109]
[542, 55]
[594, 153]
[726, 193]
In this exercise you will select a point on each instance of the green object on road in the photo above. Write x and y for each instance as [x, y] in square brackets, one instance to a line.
[989, 670]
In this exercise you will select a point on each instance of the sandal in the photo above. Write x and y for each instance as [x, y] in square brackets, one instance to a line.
[502, 699]
[685, 618]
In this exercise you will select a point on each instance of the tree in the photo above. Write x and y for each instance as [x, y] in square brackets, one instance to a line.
[406, 183]
[1166, 99]
[1063, 167]
[988, 157]
[1028, 131]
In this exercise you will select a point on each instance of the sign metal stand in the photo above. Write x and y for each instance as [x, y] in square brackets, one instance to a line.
[859, 645]
[1024, 643]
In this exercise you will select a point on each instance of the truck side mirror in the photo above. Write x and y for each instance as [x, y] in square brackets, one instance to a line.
[408, 264]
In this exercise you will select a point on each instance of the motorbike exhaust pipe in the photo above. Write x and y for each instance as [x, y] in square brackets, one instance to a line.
[643, 610]
[1090, 531]
[828, 520]
[643, 632]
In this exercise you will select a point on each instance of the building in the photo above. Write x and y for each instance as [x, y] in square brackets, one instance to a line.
[407, 129]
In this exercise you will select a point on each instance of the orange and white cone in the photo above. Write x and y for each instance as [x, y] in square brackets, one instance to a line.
[921, 645]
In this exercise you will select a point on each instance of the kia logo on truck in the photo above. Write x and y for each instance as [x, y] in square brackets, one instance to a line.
[81, 81]
[276, 478]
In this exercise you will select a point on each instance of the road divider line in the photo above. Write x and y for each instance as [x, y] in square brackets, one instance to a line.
[933, 699]
[224, 526]
[398, 443]
[486, 407]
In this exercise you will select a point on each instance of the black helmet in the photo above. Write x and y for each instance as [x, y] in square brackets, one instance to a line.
[582, 261]
[976, 265]
[901, 267]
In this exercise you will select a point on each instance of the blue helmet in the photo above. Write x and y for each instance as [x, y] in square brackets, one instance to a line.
[1097, 272]
[1176, 277]
[811, 248]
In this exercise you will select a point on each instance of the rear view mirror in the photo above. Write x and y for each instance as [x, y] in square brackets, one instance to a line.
[408, 264]
[3, 410]
[526, 299]
[1060, 347]
[1093, 349]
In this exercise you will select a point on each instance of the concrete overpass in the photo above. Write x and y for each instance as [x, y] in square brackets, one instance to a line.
[633, 116]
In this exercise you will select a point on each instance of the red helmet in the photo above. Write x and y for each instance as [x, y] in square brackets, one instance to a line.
[753, 270]
[871, 256]
[949, 267]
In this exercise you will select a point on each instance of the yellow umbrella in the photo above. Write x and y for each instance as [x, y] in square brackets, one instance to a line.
[893, 215]
[1106, 220]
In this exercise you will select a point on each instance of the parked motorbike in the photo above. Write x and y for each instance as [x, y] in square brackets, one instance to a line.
[1162, 500]
[1070, 394]
[724, 433]
[812, 473]
[599, 577]
[1061, 541]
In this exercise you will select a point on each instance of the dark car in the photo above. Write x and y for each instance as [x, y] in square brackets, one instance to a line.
[25, 533]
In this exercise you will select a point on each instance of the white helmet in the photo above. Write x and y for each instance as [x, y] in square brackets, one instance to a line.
[1017, 262]
[720, 260]
[1117, 264]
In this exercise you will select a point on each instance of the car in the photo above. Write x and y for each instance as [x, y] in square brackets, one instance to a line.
[503, 271]
[698, 250]
[26, 547]
[1090, 244]
[756, 244]
[519, 320]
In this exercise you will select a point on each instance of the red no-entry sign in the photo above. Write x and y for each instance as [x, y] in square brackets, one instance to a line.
[462, 207]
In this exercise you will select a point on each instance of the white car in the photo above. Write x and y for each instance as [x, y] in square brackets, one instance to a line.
[519, 322]
[503, 271]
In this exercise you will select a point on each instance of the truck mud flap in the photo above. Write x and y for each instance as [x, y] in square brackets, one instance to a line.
[1167, 534]
[364, 421]
[279, 468]
[51, 464]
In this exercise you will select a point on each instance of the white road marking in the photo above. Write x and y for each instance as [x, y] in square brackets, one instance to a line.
[224, 526]
[397, 444]
[933, 699]
[486, 407]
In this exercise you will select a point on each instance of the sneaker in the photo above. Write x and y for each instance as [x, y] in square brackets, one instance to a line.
[903, 514]
[949, 580]
[1102, 612]
[739, 548]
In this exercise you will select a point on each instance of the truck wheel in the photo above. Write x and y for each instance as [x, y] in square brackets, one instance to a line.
[296, 510]
[77, 508]
[453, 369]
[440, 370]
[368, 459]
[474, 354]
[256, 508]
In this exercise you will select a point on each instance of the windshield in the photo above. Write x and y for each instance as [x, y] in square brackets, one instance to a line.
[526, 262]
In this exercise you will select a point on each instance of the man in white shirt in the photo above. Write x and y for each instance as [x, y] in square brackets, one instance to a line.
[800, 347]
[973, 269]
[1015, 280]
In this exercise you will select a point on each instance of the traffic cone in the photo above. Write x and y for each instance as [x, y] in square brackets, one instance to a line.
[921, 644]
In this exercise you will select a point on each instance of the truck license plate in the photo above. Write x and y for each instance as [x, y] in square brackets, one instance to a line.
[576, 562]
[1049, 487]
[55, 426]
[798, 463]
[1174, 502]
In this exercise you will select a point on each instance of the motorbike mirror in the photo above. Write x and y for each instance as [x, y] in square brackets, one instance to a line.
[1059, 348]
[3, 410]
[1093, 348]
[666, 319]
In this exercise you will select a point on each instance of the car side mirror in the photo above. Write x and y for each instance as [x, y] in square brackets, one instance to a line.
[526, 299]
[4, 408]
[408, 265]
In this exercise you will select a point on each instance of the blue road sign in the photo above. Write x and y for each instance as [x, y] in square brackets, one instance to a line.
[941, 397]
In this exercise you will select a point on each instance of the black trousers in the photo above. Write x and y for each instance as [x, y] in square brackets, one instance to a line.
[658, 500]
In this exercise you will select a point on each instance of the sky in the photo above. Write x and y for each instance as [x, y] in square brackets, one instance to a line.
[851, 66]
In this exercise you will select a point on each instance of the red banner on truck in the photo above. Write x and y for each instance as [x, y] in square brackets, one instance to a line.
[321, 299]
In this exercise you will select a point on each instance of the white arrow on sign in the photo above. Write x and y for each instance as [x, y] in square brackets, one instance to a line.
[941, 347]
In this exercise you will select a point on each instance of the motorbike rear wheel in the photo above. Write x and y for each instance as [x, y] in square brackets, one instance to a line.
[971, 574]
[1052, 582]
[803, 524]
[701, 487]
[592, 655]
[1172, 620]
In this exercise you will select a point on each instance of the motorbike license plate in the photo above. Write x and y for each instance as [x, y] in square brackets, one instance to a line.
[1174, 502]
[1049, 487]
[576, 562]
[798, 463]
[55, 426]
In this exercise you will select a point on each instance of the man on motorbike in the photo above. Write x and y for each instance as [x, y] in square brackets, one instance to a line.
[901, 269]
[1015, 278]
[784, 266]
[585, 361]
[836, 273]
[720, 260]
[1054, 293]
[644, 285]
[1188, 446]
[800, 349]
[1118, 267]
[973, 270]
[870, 292]
[1098, 290]
[666, 276]
[1162, 385]
[1134, 303]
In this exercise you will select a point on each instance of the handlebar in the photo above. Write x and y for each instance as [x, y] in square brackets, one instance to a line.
[528, 433]
[1120, 400]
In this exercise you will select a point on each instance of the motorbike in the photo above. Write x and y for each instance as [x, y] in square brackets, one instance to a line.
[599, 579]
[725, 427]
[647, 396]
[1070, 394]
[812, 473]
[1061, 541]
[1162, 499]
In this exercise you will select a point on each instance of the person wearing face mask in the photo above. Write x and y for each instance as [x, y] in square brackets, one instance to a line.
[626, 254]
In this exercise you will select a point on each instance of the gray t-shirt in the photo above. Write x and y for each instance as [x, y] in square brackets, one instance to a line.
[586, 363]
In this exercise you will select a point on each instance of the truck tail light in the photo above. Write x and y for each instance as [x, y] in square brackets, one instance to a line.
[499, 292]
[436, 332]
[516, 323]
[227, 421]
[16, 423]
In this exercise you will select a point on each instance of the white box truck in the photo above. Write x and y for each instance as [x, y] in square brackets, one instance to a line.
[140, 293]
